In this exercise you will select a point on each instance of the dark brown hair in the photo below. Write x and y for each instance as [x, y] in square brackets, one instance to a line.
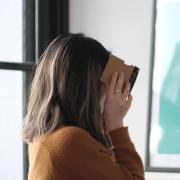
[66, 87]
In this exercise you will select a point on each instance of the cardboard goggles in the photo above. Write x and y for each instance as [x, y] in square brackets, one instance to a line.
[116, 64]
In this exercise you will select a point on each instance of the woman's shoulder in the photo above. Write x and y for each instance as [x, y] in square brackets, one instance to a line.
[67, 137]
[69, 144]
[68, 140]
[68, 134]
[71, 138]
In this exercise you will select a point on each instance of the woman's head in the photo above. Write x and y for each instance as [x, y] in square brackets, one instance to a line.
[66, 87]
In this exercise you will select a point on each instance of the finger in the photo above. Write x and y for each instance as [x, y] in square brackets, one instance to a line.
[120, 82]
[126, 90]
[105, 129]
[113, 83]
[130, 98]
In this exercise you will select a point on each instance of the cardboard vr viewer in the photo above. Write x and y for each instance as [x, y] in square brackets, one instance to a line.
[116, 64]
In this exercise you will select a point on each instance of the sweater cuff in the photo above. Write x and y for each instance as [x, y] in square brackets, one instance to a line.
[120, 136]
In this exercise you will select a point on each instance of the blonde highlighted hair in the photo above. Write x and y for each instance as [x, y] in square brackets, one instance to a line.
[66, 88]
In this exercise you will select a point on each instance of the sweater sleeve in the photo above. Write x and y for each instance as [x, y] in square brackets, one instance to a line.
[82, 157]
[125, 153]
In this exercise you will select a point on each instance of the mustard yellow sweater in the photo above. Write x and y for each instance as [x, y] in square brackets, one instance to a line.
[71, 153]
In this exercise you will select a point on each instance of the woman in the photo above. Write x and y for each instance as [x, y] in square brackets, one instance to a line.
[74, 122]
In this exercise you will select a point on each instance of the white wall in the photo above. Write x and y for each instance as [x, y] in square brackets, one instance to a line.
[125, 28]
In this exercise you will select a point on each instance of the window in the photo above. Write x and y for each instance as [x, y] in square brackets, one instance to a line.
[14, 75]
[164, 118]
[11, 30]
[27, 27]
[11, 105]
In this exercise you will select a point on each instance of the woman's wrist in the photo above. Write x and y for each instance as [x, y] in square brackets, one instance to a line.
[111, 127]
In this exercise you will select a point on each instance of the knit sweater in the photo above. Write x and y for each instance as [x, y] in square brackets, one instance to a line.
[71, 153]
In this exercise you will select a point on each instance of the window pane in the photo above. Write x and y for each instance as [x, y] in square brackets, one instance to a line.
[11, 113]
[11, 30]
[165, 118]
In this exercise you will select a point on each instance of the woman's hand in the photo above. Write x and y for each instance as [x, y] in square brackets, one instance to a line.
[117, 103]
